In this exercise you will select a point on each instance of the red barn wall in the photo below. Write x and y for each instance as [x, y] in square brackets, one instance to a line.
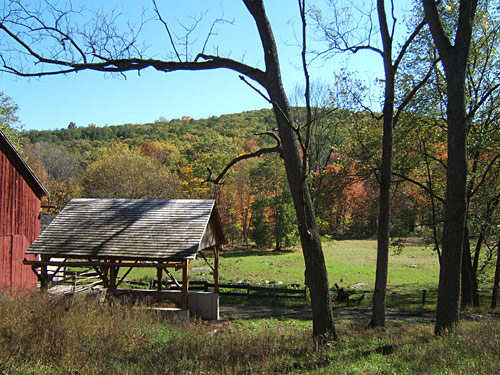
[19, 227]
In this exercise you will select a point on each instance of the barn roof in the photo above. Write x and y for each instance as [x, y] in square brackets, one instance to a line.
[24, 170]
[131, 229]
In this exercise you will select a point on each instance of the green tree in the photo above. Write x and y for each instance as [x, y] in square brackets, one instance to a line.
[122, 173]
[9, 122]
[453, 48]
[272, 209]
[344, 35]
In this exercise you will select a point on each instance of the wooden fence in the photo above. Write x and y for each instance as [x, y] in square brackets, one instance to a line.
[82, 281]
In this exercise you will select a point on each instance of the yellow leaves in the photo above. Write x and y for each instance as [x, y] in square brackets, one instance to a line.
[191, 187]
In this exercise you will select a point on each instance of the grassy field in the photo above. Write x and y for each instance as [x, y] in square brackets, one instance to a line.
[349, 263]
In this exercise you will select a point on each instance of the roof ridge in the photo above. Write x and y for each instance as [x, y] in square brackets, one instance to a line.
[22, 167]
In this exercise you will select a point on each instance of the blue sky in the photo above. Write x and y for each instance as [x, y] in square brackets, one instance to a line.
[92, 98]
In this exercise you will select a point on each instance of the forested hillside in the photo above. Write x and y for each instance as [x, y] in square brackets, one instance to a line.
[168, 159]
[172, 159]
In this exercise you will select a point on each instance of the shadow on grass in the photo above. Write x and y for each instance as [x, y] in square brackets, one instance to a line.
[412, 299]
[252, 251]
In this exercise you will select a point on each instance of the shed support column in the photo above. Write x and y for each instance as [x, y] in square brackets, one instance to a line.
[104, 276]
[159, 274]
[112, 279]
[216, 269]
[44, 275]
[185, 284]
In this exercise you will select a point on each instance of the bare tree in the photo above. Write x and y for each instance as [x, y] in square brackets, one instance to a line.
[62, 47]
[345, 35]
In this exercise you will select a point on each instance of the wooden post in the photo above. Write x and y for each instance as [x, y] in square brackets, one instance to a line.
[185, 284]
[44, 279]
[112, 279]
[159, 274]
[105, 276]
[216, 269]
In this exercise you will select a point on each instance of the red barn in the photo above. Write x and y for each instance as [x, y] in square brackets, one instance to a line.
[20, 207]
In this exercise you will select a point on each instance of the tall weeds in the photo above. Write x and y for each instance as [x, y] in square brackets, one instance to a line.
[58, 335]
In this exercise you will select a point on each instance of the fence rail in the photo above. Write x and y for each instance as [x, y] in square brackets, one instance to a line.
[242, 290]
[90, 277]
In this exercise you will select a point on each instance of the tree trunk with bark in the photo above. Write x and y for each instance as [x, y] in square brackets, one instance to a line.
[454, 220]
[470, 296]
[496, 281]
[454, 59]
[389, 123]
[384, 213]
[316, 273]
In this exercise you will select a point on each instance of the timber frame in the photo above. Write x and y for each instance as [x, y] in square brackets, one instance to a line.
[108, 270]
[65, 244]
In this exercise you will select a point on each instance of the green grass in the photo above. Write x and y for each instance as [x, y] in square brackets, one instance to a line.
[348, 263]
[56, 335]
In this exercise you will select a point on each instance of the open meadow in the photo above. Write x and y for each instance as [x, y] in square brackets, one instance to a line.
[350, 264]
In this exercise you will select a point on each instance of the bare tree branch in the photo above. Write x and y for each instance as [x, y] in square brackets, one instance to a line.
[307, 94]
[169, 33]
[406, 100]
[255, 154]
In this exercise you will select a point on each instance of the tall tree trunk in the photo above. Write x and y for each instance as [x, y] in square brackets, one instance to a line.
[379, 293]
[470, 296]
[454, 220]
[477, 251]
[316, 273]
[454, 59]
[496, 281]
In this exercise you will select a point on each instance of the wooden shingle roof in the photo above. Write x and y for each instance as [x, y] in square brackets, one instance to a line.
[132, 229]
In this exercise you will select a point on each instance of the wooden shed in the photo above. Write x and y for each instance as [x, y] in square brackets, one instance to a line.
[20, 207]
[111, 234]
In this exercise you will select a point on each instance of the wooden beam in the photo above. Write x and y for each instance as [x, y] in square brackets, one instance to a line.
[38, 263]
[173, 278]
[124, 276]
[206, 260]
[44, 279]
[185, 285]
[105, 277]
